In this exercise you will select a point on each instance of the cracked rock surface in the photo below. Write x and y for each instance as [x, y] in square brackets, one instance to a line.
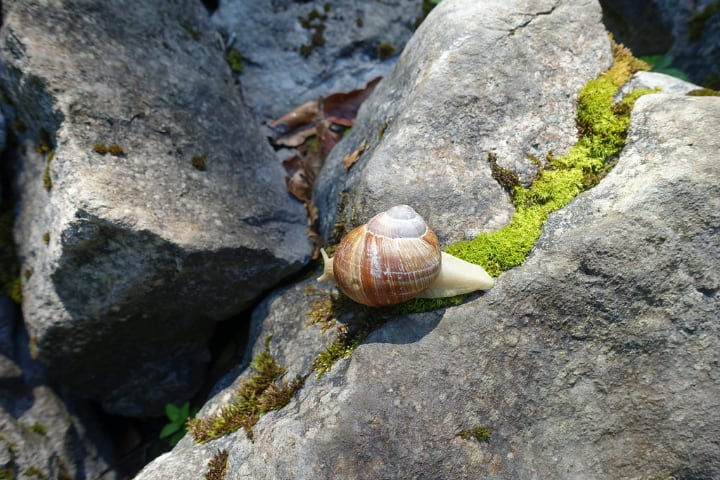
[597, 358]
[478, 79]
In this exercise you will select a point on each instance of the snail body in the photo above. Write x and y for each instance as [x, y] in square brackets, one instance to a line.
[395, 257]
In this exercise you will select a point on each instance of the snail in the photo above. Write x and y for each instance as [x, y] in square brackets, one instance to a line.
[395, 257]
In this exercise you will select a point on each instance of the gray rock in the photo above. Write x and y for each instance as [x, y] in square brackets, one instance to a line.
[477, 79]
[272, 36]
[43, 432]
[596, 358]
[3, 132]
[651, 80]
[132, 258]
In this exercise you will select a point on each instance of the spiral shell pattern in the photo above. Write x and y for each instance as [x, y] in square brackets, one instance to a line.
[389, 260]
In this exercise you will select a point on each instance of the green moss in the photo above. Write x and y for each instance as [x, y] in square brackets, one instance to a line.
[116, 150]
[192, 31]
[385, 51]
[35, 472]
[7, 473]
[704, 92]
[481, 434]
[217, 466]
[602, 127]
[314, 21]
[38, 428]
[44, 141]
[113, 149]
[47, 180]
[256, 396]
[235, 60]
[9, 266]
[507, 179]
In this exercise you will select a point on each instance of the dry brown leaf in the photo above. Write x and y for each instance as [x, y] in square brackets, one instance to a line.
[300, 115]
[325, 119]
[350, 159]
[299, 178]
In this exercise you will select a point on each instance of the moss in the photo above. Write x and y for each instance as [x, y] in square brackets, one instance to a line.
[192, 31]
[385, 51]
[38, 428]
[256, 396]
[47, 179]
[116, 150]
[199, 162]
[364, 320]
[44, 141]
[704, 92]
[481, 434]
[217, 466]
[602, 128]
[35, 472]
[113, 149]
[507, 179]
[315, 21]
[235, 60]
[33, 348]
[9, 266]
[7, 473]
[383, 129]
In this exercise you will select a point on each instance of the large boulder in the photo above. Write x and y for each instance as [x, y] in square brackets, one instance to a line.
[596, 358]
[151, 206]
[478, 81]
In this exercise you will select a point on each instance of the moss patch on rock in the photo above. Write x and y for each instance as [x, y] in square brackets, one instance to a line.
[603, 126]
[261, 393]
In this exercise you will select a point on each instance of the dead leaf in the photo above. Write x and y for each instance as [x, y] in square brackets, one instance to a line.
[325, 119]
[350, 159]
[300, 178]
[300, 115]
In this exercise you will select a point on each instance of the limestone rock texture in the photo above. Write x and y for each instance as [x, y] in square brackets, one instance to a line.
[478, 80]
[44, 433]
[293, 52]
[130, 257]
[597, 358]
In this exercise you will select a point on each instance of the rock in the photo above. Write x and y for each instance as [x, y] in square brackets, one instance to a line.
[478, 80]
[293, 52]
[688, 32]
[3, 133]
[651, 80]
[130, 256]
[596, 358]
[43, 432]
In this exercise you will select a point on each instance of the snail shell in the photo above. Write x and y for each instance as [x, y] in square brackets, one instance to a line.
[396, 257]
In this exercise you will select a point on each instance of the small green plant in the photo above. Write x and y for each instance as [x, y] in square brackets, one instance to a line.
[481, 434]
[663, 64]
[178, 416]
